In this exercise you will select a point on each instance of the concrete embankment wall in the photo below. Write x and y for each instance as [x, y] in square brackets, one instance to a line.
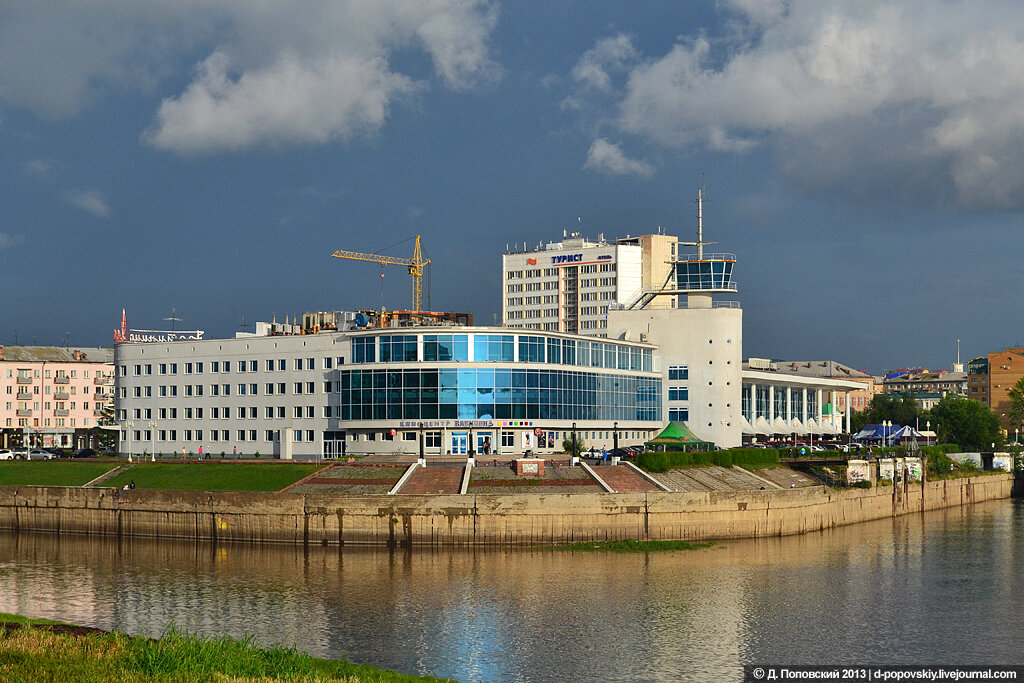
[527, 519]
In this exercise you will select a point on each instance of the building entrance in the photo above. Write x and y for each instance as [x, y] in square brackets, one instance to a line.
[334, 444]
[459, 443]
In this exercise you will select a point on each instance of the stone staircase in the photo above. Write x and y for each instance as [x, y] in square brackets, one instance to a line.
[623, 479]
[426, 480]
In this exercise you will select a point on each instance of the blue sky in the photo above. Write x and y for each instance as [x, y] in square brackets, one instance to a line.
[863, 160]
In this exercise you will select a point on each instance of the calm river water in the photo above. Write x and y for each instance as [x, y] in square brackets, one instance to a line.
[945, 587]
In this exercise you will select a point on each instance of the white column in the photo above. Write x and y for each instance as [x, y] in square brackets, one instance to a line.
[848, 409]
[771, 403]
[803, 408]
[817, 406]
[753, 404]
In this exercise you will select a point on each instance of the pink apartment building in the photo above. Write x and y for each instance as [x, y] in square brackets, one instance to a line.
[53, 396]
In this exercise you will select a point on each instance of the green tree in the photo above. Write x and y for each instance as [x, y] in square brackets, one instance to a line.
[567, 446]
[901, 410]
[966, 422]
[1016, 413]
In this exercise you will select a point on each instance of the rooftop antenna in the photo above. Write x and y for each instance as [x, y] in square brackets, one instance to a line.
[172, 318]
[15, 336]
[67, 337]
[243, 326]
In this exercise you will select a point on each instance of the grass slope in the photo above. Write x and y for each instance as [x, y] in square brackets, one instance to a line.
[51, 473]
[207, 476]
[68, 653]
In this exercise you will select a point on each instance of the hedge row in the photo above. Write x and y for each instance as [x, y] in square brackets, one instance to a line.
[664, 461]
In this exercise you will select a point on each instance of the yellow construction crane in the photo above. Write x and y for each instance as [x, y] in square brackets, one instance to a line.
[415, 265]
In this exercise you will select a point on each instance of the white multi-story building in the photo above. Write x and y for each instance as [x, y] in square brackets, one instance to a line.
[458, 389]
[568, 286]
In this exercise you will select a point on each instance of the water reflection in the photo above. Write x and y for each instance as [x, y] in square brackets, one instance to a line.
[942, 587]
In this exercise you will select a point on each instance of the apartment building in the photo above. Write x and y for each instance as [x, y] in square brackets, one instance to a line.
[53, 396]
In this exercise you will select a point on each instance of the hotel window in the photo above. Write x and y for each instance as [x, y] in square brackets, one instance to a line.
[270, 365]
[269, 412]
[215, 366]
[678, 394]
[297, 388]
[268, 435]
[281, 364]
[227, 366]
[252, 389]
[270, 389]
[328, 363]
[298, 363]
[678, 372]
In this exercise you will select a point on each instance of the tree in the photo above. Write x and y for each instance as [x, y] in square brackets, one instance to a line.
[968, 423]
[567, 446]
[900, 410]
[1016, 413]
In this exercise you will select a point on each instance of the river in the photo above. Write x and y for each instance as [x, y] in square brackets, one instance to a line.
[944, 587]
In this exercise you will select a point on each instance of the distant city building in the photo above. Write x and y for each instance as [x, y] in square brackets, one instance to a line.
[993, 377]
[924, 382]
[54, 396]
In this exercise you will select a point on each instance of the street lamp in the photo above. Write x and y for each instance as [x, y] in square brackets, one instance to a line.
[615, 437]
[573, 452]
[423, 456]
[129, 426]
[152, 426]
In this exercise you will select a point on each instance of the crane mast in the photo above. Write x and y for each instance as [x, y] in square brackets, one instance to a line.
[414, 265]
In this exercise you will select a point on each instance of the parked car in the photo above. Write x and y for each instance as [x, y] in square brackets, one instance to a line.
[20, 453]
[39, 454]
[84, 453]
[6, 454]
[106, 451]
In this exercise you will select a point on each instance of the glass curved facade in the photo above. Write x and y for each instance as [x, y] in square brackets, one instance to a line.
[608, 388]
[497, 393]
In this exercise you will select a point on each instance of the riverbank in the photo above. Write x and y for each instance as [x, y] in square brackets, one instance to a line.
[474, 519]
[44, 650]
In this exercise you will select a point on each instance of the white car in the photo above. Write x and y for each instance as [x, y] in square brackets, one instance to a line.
[6, 454]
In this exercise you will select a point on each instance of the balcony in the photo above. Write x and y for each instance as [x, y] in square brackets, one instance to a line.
[24, 380]
[24, 396]
[62, 396]
[103, 380]
[61, 413]
[98, 412]
[61, 379]
[24, 413]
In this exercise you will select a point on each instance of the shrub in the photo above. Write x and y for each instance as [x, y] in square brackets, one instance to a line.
[654, 461]
[256, 454]
[950, 448]
[222, 455]
[863, 484]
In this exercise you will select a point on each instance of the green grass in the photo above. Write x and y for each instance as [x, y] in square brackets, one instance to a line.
[208, 476]
[628, 546]
[18, 619]
[37, 653]
[51, 472]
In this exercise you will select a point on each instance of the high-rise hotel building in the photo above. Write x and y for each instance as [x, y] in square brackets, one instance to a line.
[568, 286]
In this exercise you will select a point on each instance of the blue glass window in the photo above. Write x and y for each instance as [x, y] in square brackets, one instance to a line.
[364, 350]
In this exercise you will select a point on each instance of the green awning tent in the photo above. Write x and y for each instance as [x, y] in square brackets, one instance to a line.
[678, 437]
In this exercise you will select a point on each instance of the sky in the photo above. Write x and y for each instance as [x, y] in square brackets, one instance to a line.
[864, 161]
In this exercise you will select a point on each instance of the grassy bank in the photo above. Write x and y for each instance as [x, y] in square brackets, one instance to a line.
[33, 650]
[51, 473]
[212, 476]
[628, 546]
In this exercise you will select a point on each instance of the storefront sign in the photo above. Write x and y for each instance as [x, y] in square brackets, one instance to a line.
[567, 258]
[129, 336]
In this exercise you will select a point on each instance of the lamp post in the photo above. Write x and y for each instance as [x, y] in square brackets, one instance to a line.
[573, 446]
[615, 436]
[423, 456]
[152, 426]
[471, 442]
[129, 426]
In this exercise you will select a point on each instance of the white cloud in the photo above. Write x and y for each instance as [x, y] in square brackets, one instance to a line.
[609, 55]
[7, 240]
[607, 157]
[39, 169]
[265, 72]
[90, 201]
[333, 98]
[843, 91]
